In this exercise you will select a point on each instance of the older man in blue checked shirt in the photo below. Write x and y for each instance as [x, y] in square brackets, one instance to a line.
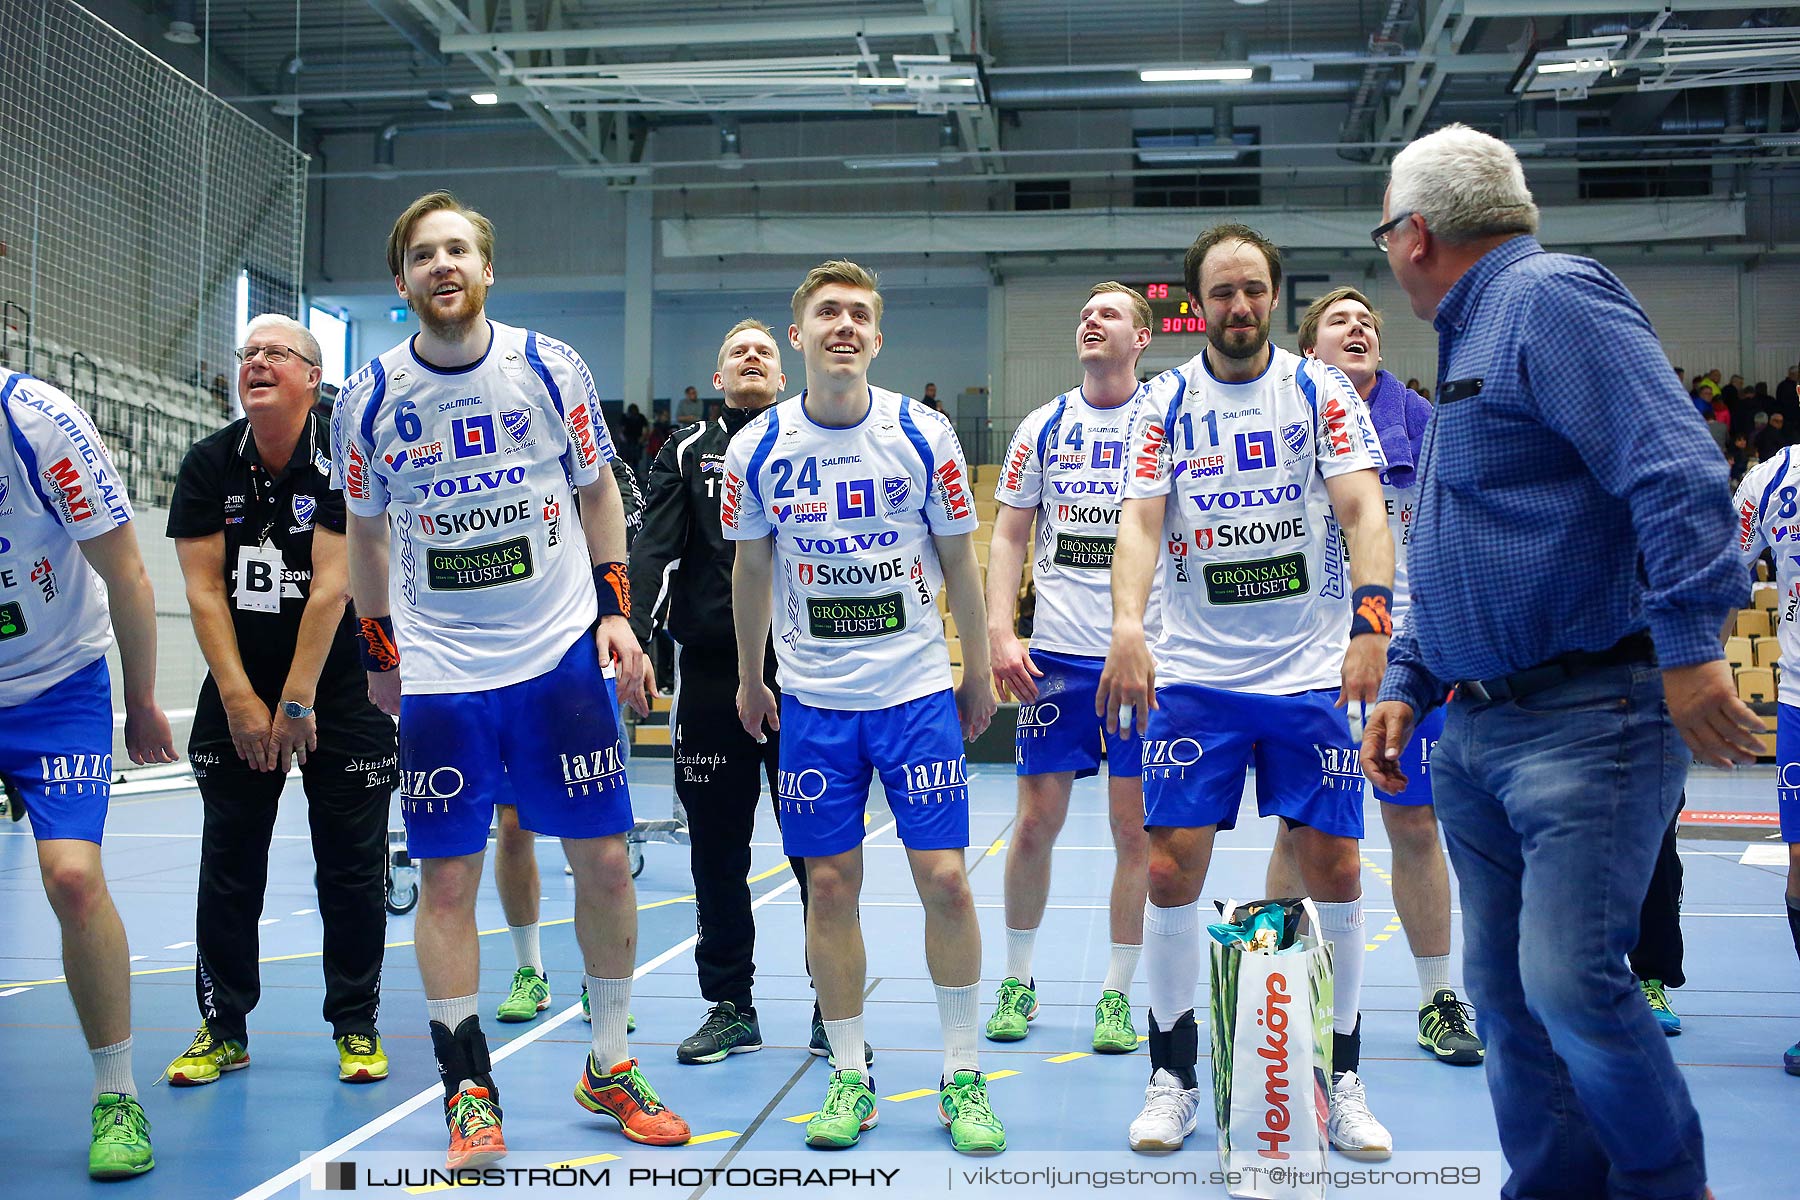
[1570, 575]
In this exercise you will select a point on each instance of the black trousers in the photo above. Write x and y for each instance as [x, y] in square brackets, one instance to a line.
[1658, 952]
[719, 773]
[347, 808]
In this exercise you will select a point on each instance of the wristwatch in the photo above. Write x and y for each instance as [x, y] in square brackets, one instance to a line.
[293, 710]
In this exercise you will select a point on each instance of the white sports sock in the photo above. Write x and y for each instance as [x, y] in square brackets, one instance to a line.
[525, 946]
[112, 1069]
[956, 1014]
[1342, 925]
[610, 1002]
[846, 1038]
[1019, 943]
[1171, 960]
[1434, 974]
[452, 1012]
[1121, 965]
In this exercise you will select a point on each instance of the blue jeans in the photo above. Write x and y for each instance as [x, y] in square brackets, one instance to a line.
[1554, 807]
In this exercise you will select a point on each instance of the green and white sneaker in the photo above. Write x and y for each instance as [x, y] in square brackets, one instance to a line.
[1113, 1030]
[203, 1061]
[530, 996]
[121, 1145]
[849, 1109]
[587, 1014]
[1017, 1008]
[963, 1107]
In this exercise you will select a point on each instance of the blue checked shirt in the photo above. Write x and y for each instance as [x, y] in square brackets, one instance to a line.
[1567, 497]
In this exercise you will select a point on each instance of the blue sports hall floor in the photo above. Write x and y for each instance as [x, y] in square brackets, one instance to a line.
[269, 1130]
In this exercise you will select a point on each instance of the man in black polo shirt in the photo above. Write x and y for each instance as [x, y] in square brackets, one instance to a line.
[260, 535]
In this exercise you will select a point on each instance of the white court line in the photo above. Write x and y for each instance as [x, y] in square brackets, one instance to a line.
[268, 920]
[174, 714]
[13, 992]
[303, 912]
[139, 957]
[303, 1169]
[178, 946]
[1765, 856]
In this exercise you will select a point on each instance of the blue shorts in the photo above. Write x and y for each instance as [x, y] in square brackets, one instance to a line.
[1415, 761]
[1787, 770]
[549, 745]
[1059, 731]
[56, 753]
[1202, 739]
[826, 757]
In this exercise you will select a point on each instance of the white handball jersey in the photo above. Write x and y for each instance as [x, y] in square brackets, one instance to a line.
[1768, 512]
[489, 575]
[57, 487]
[852, 512]
[1256, 590]
[1069, 461]
[1402, 507]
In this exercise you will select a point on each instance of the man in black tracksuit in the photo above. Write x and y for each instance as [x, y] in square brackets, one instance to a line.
[681, 568]
[259, 532]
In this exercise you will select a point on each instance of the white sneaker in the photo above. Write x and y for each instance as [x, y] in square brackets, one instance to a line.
[1170, 1114]
[1353, 1129]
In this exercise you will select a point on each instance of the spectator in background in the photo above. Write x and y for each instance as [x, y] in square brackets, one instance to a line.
[659, 433]
[633, 427]
[690, 407]
[1734, 387]
[930, 398]
[1425, 392]
[1787, 394]
[1743, 410]
[1412, 385]
[1740, 455]
[1775, 435]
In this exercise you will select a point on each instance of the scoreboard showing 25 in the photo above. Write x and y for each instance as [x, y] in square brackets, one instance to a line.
[1170, 311]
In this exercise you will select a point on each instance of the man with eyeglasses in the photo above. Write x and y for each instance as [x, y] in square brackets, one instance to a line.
[1569, 581]
[259, 532]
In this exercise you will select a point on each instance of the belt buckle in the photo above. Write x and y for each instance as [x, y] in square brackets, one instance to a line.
[1472, 689]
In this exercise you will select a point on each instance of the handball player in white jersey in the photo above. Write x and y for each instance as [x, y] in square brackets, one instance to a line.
[461, 452]
[1341, 330]
[1065, 471]
[851, 506]
[1244, 463]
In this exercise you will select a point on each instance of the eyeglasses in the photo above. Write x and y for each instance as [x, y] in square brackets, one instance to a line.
[1379, 234]
[273, 355]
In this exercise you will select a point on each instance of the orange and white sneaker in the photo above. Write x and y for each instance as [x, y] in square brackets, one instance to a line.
[474, 1120]
[627, 1097]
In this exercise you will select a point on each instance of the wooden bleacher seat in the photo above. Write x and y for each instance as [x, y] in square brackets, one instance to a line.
[1752, 622]
[1739, 652]
[1756, 683]
[1764, 595]
[1767, 651]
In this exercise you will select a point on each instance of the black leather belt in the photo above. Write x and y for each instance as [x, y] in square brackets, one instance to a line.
[1634, 648]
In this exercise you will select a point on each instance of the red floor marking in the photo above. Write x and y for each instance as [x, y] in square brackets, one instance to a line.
[1729, 818]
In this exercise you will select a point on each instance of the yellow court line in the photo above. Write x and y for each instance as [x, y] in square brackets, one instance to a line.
[582, 1162]
[992, 1075]
[275, 958]
[902, 1097]
[994, 849]
[718, 1136]
[800, 1119]
[1063, 1058]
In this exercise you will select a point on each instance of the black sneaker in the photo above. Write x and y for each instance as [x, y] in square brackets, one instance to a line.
[820, 1045]
[725, 1031]
[1446, 1029]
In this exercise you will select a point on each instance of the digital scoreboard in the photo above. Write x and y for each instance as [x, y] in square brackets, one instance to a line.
[1170, 311]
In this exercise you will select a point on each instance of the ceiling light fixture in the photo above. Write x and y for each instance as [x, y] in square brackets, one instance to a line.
[898, 162]
[1194, 74]
[182, 33]
[484, 98]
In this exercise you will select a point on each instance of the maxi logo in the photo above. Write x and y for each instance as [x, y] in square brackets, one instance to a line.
[1014, 473]
[1256, 580]
[475, 520]
[1273, 1017]
[1083, 552]
[472, 437]
[850, 574]
[1255, 451]
[1337, 425]
[469, 485]
[356, 475]
[847, 545]
[1256, 533]
[1150, 452]
[1747, 524]
[955, 492]
[837, 618]
[71, 496]
[581, 426]
[92, 455]
[1249, 498]
[856, 498]
[478, 566]
[734, 494]
[1085, 487]
[1086, 514]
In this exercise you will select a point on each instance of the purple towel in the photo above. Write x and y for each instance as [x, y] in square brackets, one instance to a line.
[1400, 416]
